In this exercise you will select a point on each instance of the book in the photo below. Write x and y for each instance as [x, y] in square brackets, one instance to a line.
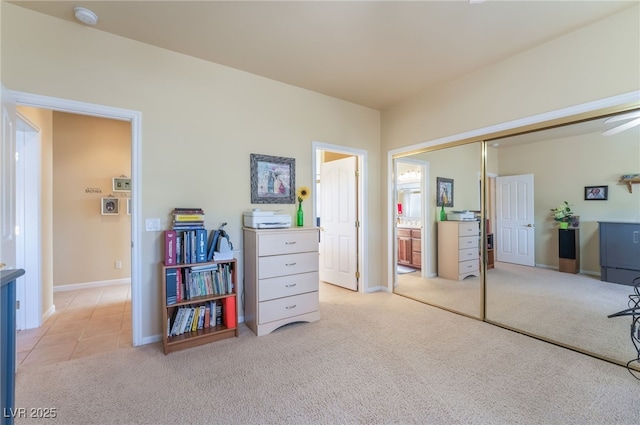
[171, 281]
[169, 247]
[177, 320]
[186, 218]
[186, 210]
[229, 312]
[201, 245]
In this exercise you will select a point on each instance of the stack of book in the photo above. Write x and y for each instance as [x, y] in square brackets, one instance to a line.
[188, 218]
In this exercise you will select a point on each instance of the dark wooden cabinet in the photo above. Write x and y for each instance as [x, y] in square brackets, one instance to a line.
[410, 247]
[619, 252]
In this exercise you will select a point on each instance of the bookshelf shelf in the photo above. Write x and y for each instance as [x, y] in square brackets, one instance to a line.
[222, 309]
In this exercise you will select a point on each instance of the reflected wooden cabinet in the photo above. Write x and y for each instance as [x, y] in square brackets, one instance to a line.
[458, 249]
[410, 247]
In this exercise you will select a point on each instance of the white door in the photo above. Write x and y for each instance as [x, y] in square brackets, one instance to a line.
[514, 220]
[28, 314]
[338, 216]
[8, 184]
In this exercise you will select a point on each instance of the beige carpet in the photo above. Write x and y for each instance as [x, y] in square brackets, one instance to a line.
[372, 359]
[568, 308]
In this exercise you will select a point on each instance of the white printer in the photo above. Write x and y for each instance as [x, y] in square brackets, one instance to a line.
[266, 219]
[465, 215]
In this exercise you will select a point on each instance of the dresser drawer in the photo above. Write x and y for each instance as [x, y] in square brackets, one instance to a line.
[283, 308]
[287, 243]
[285, 286]
[468, 254]
[282, 265]
[468, 242]
[468, 266]
[471, 228]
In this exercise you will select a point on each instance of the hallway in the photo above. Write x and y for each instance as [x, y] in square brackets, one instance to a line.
[86, 322]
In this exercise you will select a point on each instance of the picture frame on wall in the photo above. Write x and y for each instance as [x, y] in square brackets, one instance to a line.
[110, 206]
[444, 190]
[272, 179]
[596, 193]
[121, 184]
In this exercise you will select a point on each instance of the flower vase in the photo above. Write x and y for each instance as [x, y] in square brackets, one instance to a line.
[443, 214]
[300, 215]
[564, 224]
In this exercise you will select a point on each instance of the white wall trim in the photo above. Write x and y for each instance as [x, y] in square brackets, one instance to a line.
[96, 284]
[135, 118]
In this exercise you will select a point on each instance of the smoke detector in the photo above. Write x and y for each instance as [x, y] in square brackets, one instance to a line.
[85, 16]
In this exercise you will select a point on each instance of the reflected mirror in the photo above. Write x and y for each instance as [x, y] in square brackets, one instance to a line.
[556, 284]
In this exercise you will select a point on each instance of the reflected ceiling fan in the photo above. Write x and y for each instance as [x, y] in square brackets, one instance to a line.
[634, 116]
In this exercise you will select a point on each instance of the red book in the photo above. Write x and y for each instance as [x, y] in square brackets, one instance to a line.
[169, 247]
[229, 312]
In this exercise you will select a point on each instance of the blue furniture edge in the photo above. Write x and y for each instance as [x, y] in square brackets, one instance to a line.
[8, 343]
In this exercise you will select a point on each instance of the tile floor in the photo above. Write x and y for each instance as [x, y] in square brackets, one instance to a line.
[86, 322]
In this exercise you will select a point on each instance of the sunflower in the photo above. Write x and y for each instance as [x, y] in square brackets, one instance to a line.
[303, 193]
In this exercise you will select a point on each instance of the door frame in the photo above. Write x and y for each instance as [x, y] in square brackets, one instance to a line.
[135, 118]
[28, 194]
[362, 238]
[425, 270]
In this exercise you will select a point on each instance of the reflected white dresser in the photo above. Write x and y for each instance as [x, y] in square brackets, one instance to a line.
[458, 249]
[280, 277]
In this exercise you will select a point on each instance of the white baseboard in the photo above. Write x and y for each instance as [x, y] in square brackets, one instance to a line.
[48, 313]
[97, 284]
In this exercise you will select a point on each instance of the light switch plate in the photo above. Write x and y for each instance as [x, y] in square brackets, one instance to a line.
[152, 224]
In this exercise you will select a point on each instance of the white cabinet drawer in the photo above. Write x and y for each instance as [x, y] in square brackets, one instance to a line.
[287, 242]
[468, 254]
[468, 266]
[281, 265]
[285, 286]
[471, 228]
[468, 242]
[282, 308]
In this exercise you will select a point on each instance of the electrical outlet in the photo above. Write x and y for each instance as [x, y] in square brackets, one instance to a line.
[118, 264]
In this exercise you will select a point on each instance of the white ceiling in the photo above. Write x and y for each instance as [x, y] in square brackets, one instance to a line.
[372, 53]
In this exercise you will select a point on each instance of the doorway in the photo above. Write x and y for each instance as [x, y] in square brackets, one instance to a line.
[342, 245]
[134, 117]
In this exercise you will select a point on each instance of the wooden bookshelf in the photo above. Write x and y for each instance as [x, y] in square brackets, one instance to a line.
[204, 335]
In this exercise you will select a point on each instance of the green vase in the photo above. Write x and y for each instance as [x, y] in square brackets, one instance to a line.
[443, 214]
[564, 225]
[300, 215]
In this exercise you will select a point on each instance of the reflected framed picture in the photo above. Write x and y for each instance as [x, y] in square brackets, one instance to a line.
[110, 206]
[596, 193]
[272, 179]
[444, 188]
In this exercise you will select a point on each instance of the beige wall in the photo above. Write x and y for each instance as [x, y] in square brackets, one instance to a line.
[200, 122]
[87, 153]
[592, 63]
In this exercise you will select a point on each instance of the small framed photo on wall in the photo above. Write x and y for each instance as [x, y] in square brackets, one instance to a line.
[596, 193]
[444, 187]
[110, 206]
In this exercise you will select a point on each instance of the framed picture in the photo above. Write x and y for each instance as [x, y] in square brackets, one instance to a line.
[596, 193]
[128, 206]
[121, 184]
[110, 206]
[445, 191]
[272, 179]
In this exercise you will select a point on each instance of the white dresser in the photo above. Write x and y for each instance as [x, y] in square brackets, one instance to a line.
[458, 249]
[280, 277]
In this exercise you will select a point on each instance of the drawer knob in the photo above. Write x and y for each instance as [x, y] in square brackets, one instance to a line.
[290, 307]
[290, 286]
[290, 243]
[290, 264]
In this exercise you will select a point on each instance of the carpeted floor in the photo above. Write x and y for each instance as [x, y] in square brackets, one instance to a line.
[372, 359]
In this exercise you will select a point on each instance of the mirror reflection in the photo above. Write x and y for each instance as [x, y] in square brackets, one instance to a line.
[438, 244]
[557, 284]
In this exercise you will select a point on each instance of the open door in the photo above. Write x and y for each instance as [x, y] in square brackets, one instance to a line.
[338, 215]
[514, 220]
